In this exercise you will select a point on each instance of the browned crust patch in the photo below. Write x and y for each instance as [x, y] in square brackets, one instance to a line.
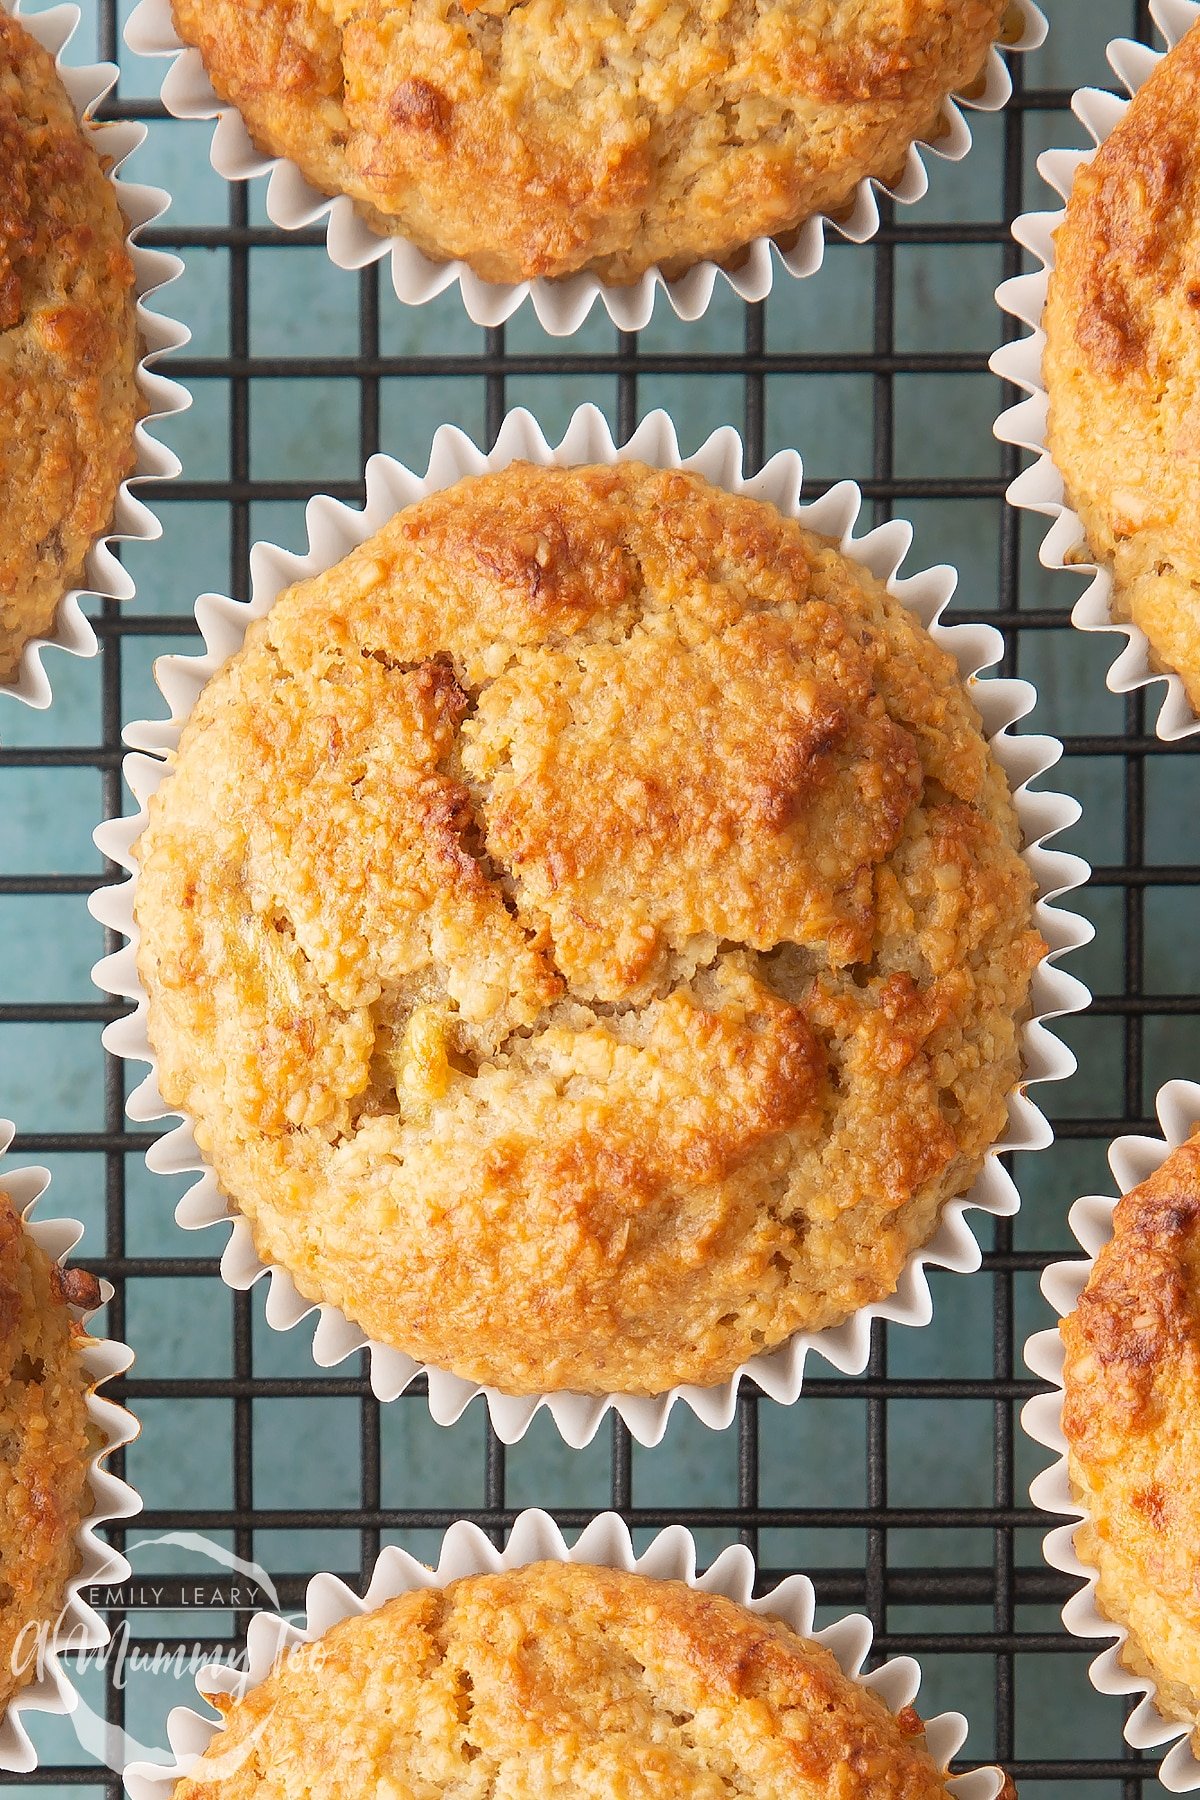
[538, 138]
[1131, 1416]
[553, 1678]
[45, 1443]
[1122, 359]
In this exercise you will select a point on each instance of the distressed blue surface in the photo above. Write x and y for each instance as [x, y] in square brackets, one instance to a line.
[939, 1453]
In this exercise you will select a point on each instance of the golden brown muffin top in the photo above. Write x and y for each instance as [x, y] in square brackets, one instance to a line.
[1131, 1415]
[44, 1441]
[588, 927]
[1122, 361]
[557, 1680]
[541, 137]
[68, 344]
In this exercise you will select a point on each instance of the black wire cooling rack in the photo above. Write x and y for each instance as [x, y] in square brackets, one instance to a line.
[904, 1492]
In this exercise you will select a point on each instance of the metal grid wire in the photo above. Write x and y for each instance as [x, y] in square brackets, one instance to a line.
[839, 1484]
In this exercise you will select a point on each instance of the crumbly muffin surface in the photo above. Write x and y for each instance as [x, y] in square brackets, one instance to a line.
[1131, 1415]
[68, 345]
[588, 928]
[1122, 360]
[541, 137]
[562, 1680]
[44, 1442]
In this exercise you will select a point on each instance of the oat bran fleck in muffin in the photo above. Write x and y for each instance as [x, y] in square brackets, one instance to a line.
[544, 137]
[1122, 360]
[45, 1442]
[556, 1680]
[1131, 1416]
[588, 929]
[68, 345]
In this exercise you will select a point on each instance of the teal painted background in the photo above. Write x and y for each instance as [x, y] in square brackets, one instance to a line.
[939, 1452]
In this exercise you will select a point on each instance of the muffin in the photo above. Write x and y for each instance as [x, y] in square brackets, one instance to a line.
[564, 1679]
[1131, 1417]
[531, 138]
[1122, 360]
[588, 931]
[45, 1444]
[68, 345]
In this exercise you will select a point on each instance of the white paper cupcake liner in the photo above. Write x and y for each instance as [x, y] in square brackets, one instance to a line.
[153, 269]
[536, 1538]
[77, 1626]
[1132, 1160]
[1039, 489]
[562, 304]
[333, 531]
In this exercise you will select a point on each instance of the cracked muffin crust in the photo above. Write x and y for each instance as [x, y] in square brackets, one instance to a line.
[588, 930]
[558, 1680]
[68, 345]
[45, 1441]
[543, 137]
[1122, 360]
[1131, 1417]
